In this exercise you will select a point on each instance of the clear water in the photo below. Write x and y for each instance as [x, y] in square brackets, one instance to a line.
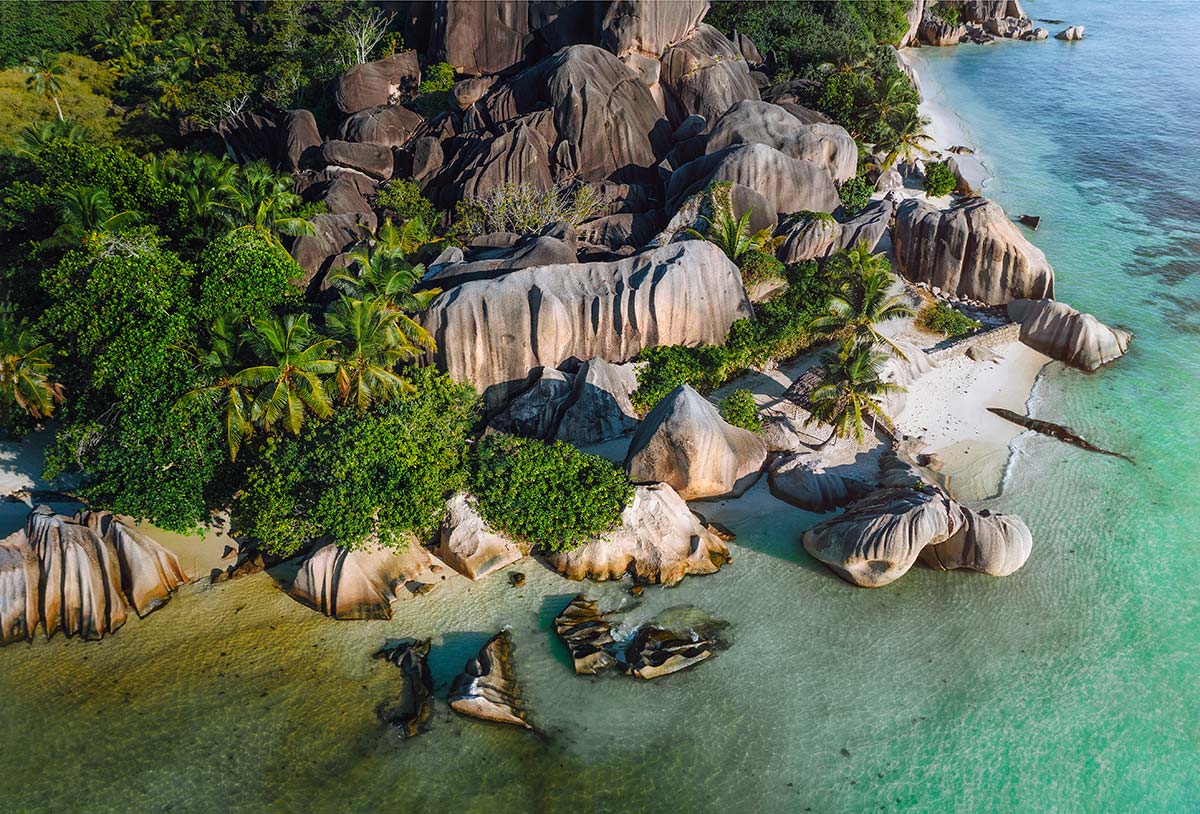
[1073, 685]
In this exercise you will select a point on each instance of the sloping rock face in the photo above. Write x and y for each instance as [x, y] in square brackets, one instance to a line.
[818, 238]
[1059, 331]
[482, 37]
[389, 125]
[300, 135]
[373, 84]
[1074, 32]
[757, 122]
[19, 572]
[933, 30]
[487, 687]
[150, 573]
[534, 412]
[359, 584]
[333, 235]
[648, 27]
[685, 443]
[493, 332]
[878, 538]
[972, 250]
[80, 577]
[915, 12]
[599, 407]
[374, 160]
[659, 541]
[789, 184]
[794, 479]
[411, 709]
[528, 252]
[991, 543]
[704, 74]
[587, 633]
[469, 545]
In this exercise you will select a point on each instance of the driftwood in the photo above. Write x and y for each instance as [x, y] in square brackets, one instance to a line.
[1053, 430]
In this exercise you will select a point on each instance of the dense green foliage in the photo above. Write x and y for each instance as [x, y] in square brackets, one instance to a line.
[943, 319]
[950, 12]
[852, 390]
[33, 26]
[243, 273]
[757, 266]
[433, 94]
[381, 476]
[855, 194]
[741, 410]
[550, 495]
[939, 180]
[402, 199]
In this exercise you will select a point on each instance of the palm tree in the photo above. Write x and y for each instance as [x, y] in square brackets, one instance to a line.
[904, 136]
[206, 180]
[731, 234]
[218, 368]
[892, 99]
[851, 390]
[87, 213]
[369, 347]
[25, 369]
[34, 138]
[864, 302]
[260, 199]
[45, 77]
[289, 379]
[194, 51]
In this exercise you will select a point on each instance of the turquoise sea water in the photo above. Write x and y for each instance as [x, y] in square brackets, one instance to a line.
[1071, 686]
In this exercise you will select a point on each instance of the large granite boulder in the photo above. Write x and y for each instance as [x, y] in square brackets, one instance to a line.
[815, 238]
[933, 30]
[915, 12]
[388, 126]
[484, 37]
[487, 688]
[989, 542]
[587, 634]
[516, 157]
[789, 184]
[373, 84]
[1074, 32]
[469, 545]
[19, 574]
[599, 407]
[659, 541]
[150, 573]
[250, 136]
[358, 583]
[493, 332]
[648, 27]
[552, 247]
[800, 480]
[879, 537]
[80, 577]
[333, 235]
[756, 122]
[534, 411]
[970, 250]
[1059, 331]
[300, 137]
[410, 710]
[704, 74]
[685, 443]
[374, 160]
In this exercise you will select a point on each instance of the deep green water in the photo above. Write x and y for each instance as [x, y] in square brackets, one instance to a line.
[1071, 686]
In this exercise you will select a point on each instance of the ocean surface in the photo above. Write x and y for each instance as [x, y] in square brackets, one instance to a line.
[1070, 686]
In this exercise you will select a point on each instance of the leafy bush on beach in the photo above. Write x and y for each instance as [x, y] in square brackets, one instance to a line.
[943, 319]
[549, 495]
[855, 194]
[741, 410]
[939, 180]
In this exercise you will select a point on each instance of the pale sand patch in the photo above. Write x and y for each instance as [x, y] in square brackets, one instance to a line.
[947, 407]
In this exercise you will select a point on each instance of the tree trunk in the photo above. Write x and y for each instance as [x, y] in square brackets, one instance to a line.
[825, 443]
[58, 107]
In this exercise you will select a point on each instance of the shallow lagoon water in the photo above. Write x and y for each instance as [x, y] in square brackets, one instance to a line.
[1073, 685]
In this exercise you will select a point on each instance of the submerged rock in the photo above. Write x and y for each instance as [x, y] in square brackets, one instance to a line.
[587, 633]
[972, 250]
[410, 711]
[469, 545]
[1074, 32]
[659, 541]
[359, 583]
[1059, 331]
[150, 573]
[685, 443]
[487, 687]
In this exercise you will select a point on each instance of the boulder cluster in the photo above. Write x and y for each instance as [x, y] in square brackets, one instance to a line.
[979, 22]
[81, 575]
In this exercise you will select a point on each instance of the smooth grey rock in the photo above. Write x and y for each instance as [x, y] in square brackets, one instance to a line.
[989, 542]
[1074, 32]
[649, 27]
[19, 573]
[757, 122]
[469, 545]
[799, 480]
[705, 74]
[1059, 331]
[790, 184]
[933, 30]
[692, 126]
[535, 411]
[599, 406]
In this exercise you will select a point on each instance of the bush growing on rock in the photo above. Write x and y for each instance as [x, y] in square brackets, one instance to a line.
[550, 495]
[939, 180]
[949, 12]
[741, 410]
[433, 93]
[943, 319]
[757, 266]
[855, 194]
[402, 199]
[526, 210]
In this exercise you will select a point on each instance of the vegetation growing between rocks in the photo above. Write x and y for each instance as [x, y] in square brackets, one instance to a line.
[550, 495]
[939, 180]
[525, 210]
[741, 410]
[855, 194]
[941, 318]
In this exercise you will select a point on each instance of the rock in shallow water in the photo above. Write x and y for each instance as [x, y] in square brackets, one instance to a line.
[469, 545]
[358, 584]
[19, 615]
[587, 633]
[797, 479]
[656, 652]
[150, 573]
[1059, 331]
[991, 543]
[410, 711]
[487, 687]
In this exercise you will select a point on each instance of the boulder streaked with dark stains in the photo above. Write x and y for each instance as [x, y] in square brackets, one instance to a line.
[409, 712]
[487, 688]
[587, 634]
[359, 583]
[988, 542]
[373, 84]
[150, 573]
[656, 652]
[1059, 331]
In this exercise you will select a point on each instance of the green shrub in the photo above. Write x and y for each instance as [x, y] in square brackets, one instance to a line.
[667, 366]
[741, 410]
[757, 265]
[30, 27]
[525, 209]
[245, 274]
[433, 94]
[549, 495]
[402, 199]
[949, 12]
[855, 194]
[384, 475]
[943, 319]
[939, 180]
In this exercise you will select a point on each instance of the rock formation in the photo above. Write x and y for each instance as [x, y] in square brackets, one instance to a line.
[487, 687]
[19, 573]
[684, 442]
[469, 545]
[491, 333]
[373, 84]
[410, 711]
[815, 238]
[789, 184]
[659, 541]
[1074, 32]
[971, 250]
[991, 543]
[332, 236]
[704, 74]
[359, 583]
[797, 479]
[388, 126]
[1059, 331]
[648, 27]
[656, 652]
[150, 573]
[756, 122]
[587, 633]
